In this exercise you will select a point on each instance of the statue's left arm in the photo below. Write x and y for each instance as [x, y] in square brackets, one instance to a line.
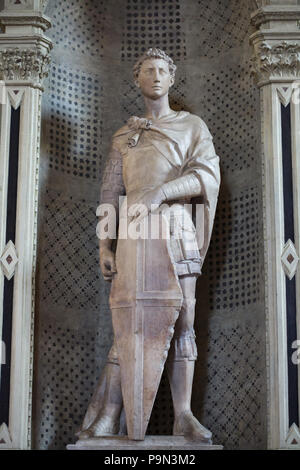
[199, 176]
[200, 173]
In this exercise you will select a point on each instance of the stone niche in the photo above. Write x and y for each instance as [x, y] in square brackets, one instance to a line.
[88, 95]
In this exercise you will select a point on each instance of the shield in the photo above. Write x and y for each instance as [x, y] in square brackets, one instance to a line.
[145, 302]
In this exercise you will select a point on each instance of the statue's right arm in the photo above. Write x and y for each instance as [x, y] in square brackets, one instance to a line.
[112, 188]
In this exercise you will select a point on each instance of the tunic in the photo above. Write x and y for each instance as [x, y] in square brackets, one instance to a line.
[146, 157]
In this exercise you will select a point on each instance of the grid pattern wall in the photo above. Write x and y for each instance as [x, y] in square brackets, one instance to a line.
[230, 104]
[90, 94]
[224, 25]
[70, 254]
[151, 23]
[79, 26]
[69, 362]
[233, 263]
[74, 131]
[232, 371]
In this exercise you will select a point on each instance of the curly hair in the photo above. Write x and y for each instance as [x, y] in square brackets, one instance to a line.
[154, 53]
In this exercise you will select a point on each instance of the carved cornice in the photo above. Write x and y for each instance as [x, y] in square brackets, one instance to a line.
[25, 5]
[278, 61]
[38, 21]
[26, 64]
[278, 13]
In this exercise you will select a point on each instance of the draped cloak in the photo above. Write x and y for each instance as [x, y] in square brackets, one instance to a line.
[171, 147]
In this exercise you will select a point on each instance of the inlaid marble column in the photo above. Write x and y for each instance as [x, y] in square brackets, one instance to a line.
[276, 65]
[24, 60]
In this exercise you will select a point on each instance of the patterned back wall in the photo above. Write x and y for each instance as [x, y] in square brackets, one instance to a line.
[90, 94]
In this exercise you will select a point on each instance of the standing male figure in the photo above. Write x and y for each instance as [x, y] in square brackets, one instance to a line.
[166, 157]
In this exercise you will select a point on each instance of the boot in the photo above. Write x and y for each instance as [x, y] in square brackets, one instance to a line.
[107, 422]
[181, 375]
[188, 426]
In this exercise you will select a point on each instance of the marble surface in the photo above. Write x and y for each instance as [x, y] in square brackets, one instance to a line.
[150, 443]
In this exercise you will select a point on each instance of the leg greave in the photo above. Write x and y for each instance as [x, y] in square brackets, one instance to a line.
[183, 347]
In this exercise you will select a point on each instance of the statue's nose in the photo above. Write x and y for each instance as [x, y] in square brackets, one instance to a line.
[156, 77]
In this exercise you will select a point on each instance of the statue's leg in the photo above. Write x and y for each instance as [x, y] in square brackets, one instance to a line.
[107, 420]
[180, 366]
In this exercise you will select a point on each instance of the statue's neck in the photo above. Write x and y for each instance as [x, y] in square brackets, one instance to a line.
[156, 109]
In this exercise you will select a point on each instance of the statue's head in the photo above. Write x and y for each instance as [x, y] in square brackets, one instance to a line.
[154, 73]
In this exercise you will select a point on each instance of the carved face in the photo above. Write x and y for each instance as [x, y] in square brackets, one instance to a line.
[154, 78]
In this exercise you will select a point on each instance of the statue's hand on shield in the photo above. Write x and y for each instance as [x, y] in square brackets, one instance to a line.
[107, 263]
[146, 203]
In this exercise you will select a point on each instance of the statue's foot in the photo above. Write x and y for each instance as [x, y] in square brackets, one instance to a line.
[188, 426]
[104, 426]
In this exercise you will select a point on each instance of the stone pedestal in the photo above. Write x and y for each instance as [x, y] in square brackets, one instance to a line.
[150, 443]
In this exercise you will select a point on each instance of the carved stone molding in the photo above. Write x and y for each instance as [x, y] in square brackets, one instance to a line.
[26, 64]
[35, 20]
[275, 13]
[25, 4]
[18, 3]
[15, 96]
[281, 60]
[285, 94]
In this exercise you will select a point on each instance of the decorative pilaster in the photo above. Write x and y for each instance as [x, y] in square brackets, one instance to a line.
[24, 62]
[276, 67]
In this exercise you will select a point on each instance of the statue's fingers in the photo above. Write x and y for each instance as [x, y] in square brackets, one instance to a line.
[154, 208]
[135, 214]
[142, 214]
[106, 270]
[107, 275]
[113, 267]
[136, 210]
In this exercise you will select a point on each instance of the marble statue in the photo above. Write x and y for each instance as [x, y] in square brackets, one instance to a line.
[161, 162]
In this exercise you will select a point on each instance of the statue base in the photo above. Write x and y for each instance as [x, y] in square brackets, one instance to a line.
[149, 443]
